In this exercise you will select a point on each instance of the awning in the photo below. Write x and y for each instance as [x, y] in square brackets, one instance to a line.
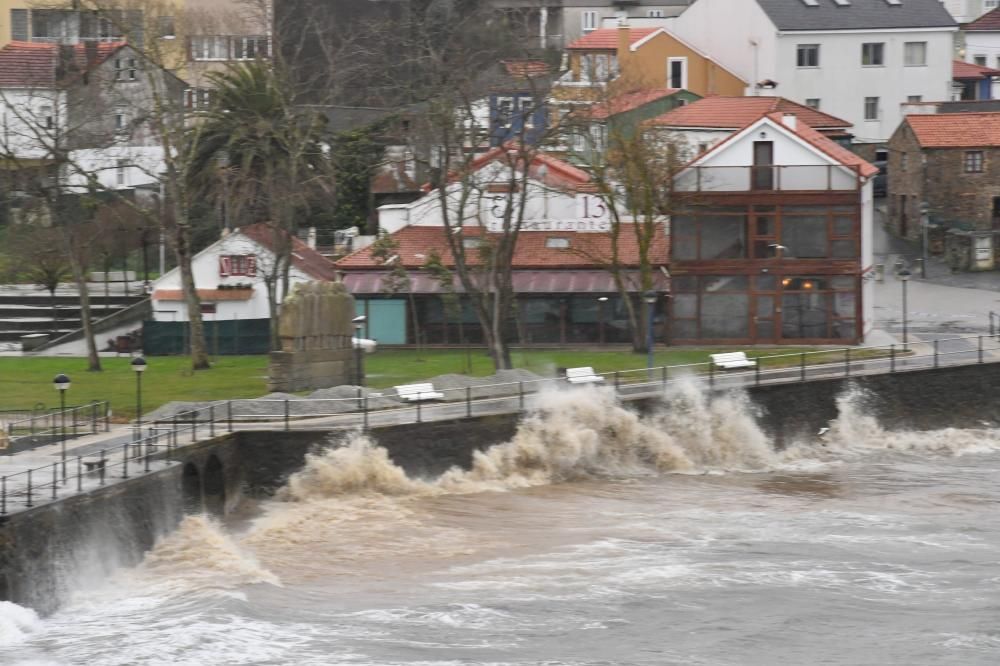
[525, 282]
[205, 294]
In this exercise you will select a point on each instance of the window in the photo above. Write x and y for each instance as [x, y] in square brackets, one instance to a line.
[470, 243]
[125, 69]
[914, 99]
[165, 27]
[872, 54]
[557, 243]
[249, 48]
[871, 108]
[979, 60]
[973, 161]
[904, 161]
[528, 113]
[598, 67]
[121, 120]
[46, 121]
[812, 102]
[505, 111]
[677, 72]
[990, 4]
[915, 54]
[655, 13]
[120, 171]
[199, 98]
[209, 47]
[589, 21]
[238, 264]
[807, 55]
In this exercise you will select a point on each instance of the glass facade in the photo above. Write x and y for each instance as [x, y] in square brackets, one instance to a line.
[534, 320]
[781, 272]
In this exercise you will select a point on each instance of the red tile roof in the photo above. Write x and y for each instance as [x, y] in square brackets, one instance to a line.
[587, 249]
[606, 39]
[626, 102]
[526, 69]
[988, 21]
[544, 168]
[736, 112]
[956, 130]
[968, 70]
[831, 148]
[306, 259]
[30, 64]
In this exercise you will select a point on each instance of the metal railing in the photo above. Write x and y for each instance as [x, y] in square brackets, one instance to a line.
[156, 447]
[78, 420]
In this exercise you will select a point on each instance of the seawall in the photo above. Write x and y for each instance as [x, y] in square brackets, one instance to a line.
[66, 545]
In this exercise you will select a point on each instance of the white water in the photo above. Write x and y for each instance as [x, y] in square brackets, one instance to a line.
[594, 536]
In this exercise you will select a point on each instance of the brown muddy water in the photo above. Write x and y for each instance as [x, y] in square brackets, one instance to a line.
[595, 537]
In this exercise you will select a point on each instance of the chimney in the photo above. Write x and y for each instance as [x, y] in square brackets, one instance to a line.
[624, 41]
[790, 120]
[311, 238]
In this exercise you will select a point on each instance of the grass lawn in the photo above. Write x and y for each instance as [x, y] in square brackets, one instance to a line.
[26, 382]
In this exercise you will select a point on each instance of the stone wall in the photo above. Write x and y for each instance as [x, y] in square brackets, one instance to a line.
[954, 198]
[315, 332]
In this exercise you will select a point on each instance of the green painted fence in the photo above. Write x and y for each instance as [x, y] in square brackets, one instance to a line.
[224, 338]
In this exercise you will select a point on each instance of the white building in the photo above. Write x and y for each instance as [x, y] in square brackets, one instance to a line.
[969, 10]
[856, 59]
[982, 41]
[230, 276]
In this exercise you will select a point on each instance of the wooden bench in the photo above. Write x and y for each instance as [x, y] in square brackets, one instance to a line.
[416, 392]
[583, 376]
[730, 360]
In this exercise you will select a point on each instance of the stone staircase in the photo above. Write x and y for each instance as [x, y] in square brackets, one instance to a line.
[25, 310]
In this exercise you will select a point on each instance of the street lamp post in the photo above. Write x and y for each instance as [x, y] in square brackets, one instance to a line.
[600, 318]
[139, 366]
[650, 298]
[61, 382]
[359, 323]
[904, 276]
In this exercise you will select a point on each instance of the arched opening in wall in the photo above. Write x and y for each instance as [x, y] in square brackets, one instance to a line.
[191, 487]
[214, 486]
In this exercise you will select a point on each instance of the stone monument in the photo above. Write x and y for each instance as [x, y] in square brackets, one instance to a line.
[315, 331]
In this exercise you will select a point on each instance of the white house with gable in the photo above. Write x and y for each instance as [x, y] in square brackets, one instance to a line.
[230, 276]
[776, 245]
[855, 59]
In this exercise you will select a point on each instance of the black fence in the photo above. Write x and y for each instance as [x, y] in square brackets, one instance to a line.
[224, 338]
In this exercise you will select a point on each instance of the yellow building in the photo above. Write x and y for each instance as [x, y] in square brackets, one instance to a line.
[187, 37]
[624, 59]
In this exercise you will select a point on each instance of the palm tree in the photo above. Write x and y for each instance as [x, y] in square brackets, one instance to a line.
[274, 155]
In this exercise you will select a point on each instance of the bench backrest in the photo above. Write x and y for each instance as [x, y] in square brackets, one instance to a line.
[406, 389]
[580, 372]
[730, 356]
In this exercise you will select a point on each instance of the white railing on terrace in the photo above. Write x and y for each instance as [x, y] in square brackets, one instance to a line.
[785, 178]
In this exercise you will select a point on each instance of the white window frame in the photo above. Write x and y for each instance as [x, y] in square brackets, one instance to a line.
[121, 119]
[877, 104]
[206, 47]
[880, 50]
[906, 54]
[799, 48]
[684, 72]
[588, 21]
[654, 13]
[813, 102]
[120, 165]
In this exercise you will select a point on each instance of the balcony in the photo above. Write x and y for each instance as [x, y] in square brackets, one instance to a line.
[773, 178]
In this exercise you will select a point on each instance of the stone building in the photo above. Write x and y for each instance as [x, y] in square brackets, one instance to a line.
[951, 162]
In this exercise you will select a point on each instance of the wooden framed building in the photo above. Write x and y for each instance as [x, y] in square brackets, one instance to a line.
[771, 243]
